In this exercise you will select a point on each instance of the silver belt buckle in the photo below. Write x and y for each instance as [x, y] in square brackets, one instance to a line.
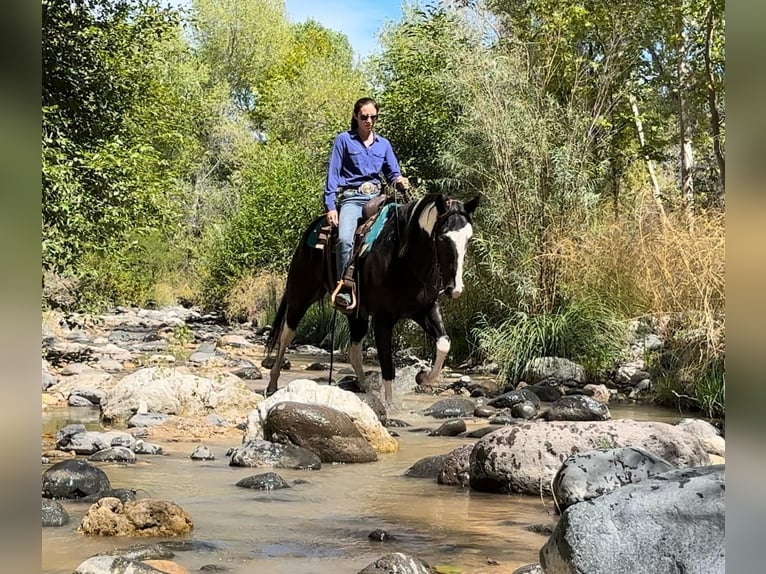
[367, 188]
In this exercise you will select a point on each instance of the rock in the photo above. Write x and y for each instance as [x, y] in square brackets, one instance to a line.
[510, 398]
[167, 566]
[484, 411]
[480, 432]
[710, 437]
[379, 535]
[143, 447]
[149, 420]
[328, 432]
[202, 453]
[78, 401]
[590, 474]
[428, 467]
[265, 481]
[456, 466]
[107, 564]
[597, 392]
[123, 494]
[250, 372]
[264, 453]
[525, 457]
[548, 389]
[577, 408]
[309, 392]
[113, 454]
[524, 410]
[529, 569]
[75, 479]
[142, 552]
[449, 428]
[53, 513]
[170, 391]
[555, 367]
[145, 517]
[397, 563]
[451, 408]
[672, 522]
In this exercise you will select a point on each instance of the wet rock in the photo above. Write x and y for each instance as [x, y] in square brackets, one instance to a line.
[113, 454]
[510, 398]
[190, 545]
[525, 457]
[555, 367]
[480, 432]
[146, 517]
[264, 453]
[123, 494]
[202, 452]
[597, 392]
[590, 474]
[78, 401]
[577, 408]
[548, 389]
[484, 411]
[143, 447]
[529, 569]
[396, 423]
[268, 362]
[75, 479]
[53, 513]
[397, 563]
[107, 564]
[449, 428]
[326, 431]
[525, 410]
[542, 529]
[456, 466]
[380, 535]
[451, 408]
[265, 481]
[428, 467]
[672, 522]
[76, 438]
[503, 419]
[248, 372]
[142, 552]
[214, 568]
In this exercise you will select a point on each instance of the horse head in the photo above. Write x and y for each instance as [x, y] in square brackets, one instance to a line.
[448, 223]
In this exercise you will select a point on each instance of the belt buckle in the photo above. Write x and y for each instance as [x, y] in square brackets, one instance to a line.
[367, 188]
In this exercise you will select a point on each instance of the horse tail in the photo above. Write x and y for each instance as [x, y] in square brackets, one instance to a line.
[278, 325]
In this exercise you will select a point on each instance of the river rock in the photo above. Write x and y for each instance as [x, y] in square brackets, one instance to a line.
[577, 408]
[75, 479]
[328, 432]
[142, 552]
[170, 391]
[456, 466]
[113, 454]
[556, 367]
[202, 452]
[548, 389]
[264, 453]
[427, 467]
[146, 517]
[397, 563]
[449, 428]
[265, 481]
[309, 392]
[524, 410]
[107, 564]
[710, 436]
[529, 569]
[53, 513]
[525, 457]
[671, 522]
[451, 408]
[587, 475]
[510, 398]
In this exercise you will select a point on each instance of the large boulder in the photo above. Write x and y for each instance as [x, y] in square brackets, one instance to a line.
[309, 392]
[672, 522]
[456, 466]
[450, 408]
[254, 453]
[525, 457]
[577, 408]
[172, 391]
[327, 432]
[710, 436]
[590, 474]
[555, 367]
[75, 479]
[108, 564]
[53, 513]
[109, 516]
[427, 467]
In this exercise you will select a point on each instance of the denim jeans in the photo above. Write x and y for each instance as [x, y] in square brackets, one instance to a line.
[351, 204]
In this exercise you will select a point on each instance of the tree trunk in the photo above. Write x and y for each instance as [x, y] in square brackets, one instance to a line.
[684, 125]
[656, 192]
[715, 119]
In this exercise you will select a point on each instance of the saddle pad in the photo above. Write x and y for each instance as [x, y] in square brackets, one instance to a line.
[377, 226]
[319, 235]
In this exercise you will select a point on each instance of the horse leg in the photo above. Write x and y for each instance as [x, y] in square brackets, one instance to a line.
[433, 324]
[285, 338]
[358, 329]
[383, 327]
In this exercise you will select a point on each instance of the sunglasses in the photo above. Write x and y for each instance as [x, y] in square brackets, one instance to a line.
[365, 117]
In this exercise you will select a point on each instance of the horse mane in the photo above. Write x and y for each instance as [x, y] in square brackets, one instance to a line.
[423, 215]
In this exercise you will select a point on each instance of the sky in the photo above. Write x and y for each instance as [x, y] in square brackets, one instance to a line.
[360, 20]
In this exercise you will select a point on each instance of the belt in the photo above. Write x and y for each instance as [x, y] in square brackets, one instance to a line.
[367, 188]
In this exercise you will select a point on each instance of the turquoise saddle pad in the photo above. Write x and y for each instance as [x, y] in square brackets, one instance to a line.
[314, 239]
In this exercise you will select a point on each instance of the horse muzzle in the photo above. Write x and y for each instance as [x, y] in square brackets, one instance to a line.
[453, 292]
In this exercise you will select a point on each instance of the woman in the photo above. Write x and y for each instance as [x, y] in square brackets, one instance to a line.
[359, 157]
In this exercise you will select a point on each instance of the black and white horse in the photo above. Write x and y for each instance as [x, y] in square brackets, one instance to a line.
[418, 255]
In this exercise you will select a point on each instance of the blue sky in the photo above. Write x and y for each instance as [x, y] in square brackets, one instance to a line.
[360, 20]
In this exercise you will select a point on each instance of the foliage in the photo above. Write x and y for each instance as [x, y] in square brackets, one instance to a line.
[581, 330]
[254, 298]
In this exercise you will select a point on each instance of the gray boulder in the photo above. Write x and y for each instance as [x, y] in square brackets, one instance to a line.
[113, 454]
[53, 513]
[577, 408]
[451, 408]
[525, 457]
[672, 522]
[255, 453]
[75, 479]
[449, 428]
[428, 467]
[456, 466]
[265, 481]
[555, 367]
[397, 563]
[511, 398]
[590, 474]
[107, 564]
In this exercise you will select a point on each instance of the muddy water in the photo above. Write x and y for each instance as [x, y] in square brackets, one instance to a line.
[321, 526]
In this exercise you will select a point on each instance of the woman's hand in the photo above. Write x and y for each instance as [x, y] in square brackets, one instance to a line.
[402, 183]
[332, 217]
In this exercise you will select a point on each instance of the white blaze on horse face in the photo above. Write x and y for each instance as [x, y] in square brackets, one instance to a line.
[460, 239]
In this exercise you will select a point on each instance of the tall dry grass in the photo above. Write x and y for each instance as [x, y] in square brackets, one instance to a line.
[254, 297]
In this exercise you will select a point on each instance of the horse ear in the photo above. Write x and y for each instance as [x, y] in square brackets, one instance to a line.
[471, 205]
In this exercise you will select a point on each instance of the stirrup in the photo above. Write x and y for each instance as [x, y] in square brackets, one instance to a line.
[351, 306]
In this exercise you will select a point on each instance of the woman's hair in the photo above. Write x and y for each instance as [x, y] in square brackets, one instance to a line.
[358, 106]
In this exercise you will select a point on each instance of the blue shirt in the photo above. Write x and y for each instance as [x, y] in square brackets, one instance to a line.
[351, 164]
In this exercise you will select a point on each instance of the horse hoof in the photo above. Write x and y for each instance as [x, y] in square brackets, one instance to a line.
[268, 392]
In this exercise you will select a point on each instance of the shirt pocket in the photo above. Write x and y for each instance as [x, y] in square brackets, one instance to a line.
[377, 158]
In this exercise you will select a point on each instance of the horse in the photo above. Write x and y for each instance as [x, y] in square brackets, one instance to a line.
[418, 255]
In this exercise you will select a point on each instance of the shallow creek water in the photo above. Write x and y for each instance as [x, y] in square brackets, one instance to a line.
[321, 526]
